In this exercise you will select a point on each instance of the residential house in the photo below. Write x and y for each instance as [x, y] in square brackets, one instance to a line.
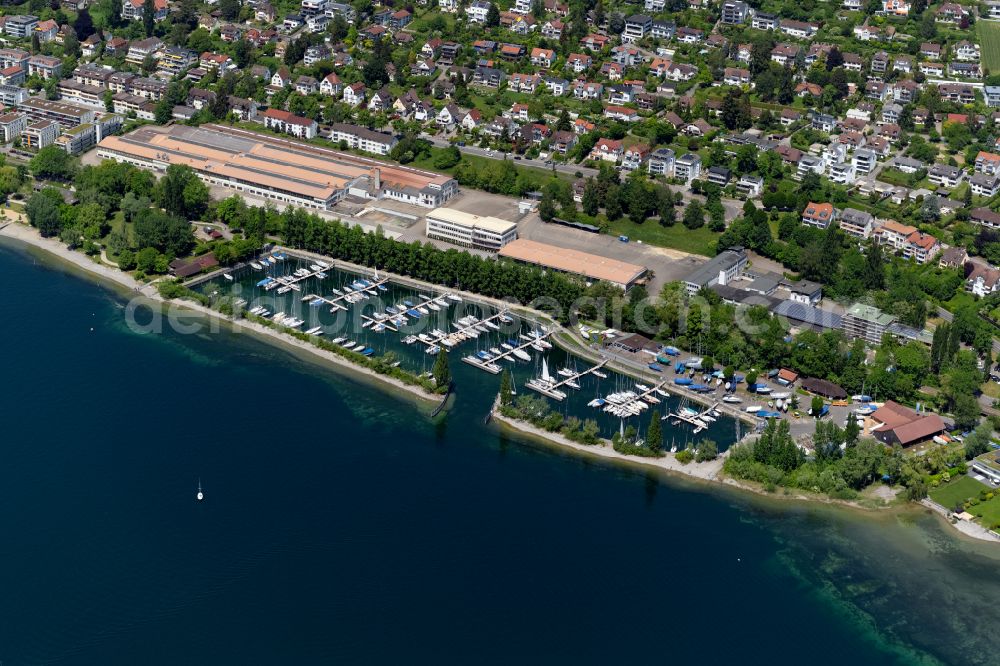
[661, 162]
[985, 217]
[957, 92]
[46, 31]
[579, 62]
[381, 101]
[288, 123]
[988, 163]
[45, 67]
[331, 85]
[448, 116]
[354, 94]
[784, 54]
[621, 113]
[953, 257]
[542, 57]
[930, 50]
[735, 76]
[856, 223]
[764, 21]
[750, 186]
[945, 175]
[362, 138]
[608, 150]
[132, 10]
[921, 247]
[687, 167]
[984, 185]
[966, 51]
[734, 12]
[634, 157]
[982, 280]
[819, 215]
[560, 141]
[637, 26]
[798, 29]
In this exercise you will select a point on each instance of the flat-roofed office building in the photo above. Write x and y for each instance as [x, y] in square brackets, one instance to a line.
[482, 232]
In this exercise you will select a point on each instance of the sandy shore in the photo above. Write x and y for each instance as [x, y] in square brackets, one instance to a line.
[706, 471]
[30, 236]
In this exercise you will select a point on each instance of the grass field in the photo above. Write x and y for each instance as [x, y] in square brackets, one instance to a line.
[957, 491]
[989, 44]
[700, 241]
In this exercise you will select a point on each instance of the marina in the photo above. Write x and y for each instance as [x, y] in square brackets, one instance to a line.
[407, 325]
[508, 351]
[549, 386]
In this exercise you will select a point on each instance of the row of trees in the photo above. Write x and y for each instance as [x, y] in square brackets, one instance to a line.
[300, 229]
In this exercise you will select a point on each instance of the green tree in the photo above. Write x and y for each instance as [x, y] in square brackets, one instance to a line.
[654, 434]
[148, 17]
[84, 24]
[492, 16]
[977, 442]
[43, 213]
[694, 215]
[591, 198]
[54, 163]
[707, 450]
[546, 209]
[505, 388]
[180, 192]
[815, 406]
[442, 373]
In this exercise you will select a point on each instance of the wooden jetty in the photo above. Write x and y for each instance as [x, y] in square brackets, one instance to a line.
[449, 340]
[696, 420]
[552, 390]
[337, 302]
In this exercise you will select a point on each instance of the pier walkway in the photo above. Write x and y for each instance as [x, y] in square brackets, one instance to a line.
[574, 377]
[698, 420]
[336, 302]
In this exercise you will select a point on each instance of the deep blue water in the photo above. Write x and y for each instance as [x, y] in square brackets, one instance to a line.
[342, 525]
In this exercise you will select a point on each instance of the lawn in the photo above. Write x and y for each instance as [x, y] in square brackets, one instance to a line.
[989, 43]
[957, 491]
[699, 241]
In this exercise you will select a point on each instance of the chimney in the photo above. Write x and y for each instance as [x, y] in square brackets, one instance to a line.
[376, 179]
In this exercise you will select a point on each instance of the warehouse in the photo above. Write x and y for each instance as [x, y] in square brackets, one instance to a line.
[592, 267]
[277, 169]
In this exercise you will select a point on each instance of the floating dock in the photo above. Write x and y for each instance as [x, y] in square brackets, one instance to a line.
[696, 421]
[336, 303]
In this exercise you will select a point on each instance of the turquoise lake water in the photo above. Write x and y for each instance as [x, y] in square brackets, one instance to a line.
[341, 525]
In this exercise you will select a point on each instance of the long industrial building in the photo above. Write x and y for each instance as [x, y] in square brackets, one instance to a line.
[589, 266]
[278, 169]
